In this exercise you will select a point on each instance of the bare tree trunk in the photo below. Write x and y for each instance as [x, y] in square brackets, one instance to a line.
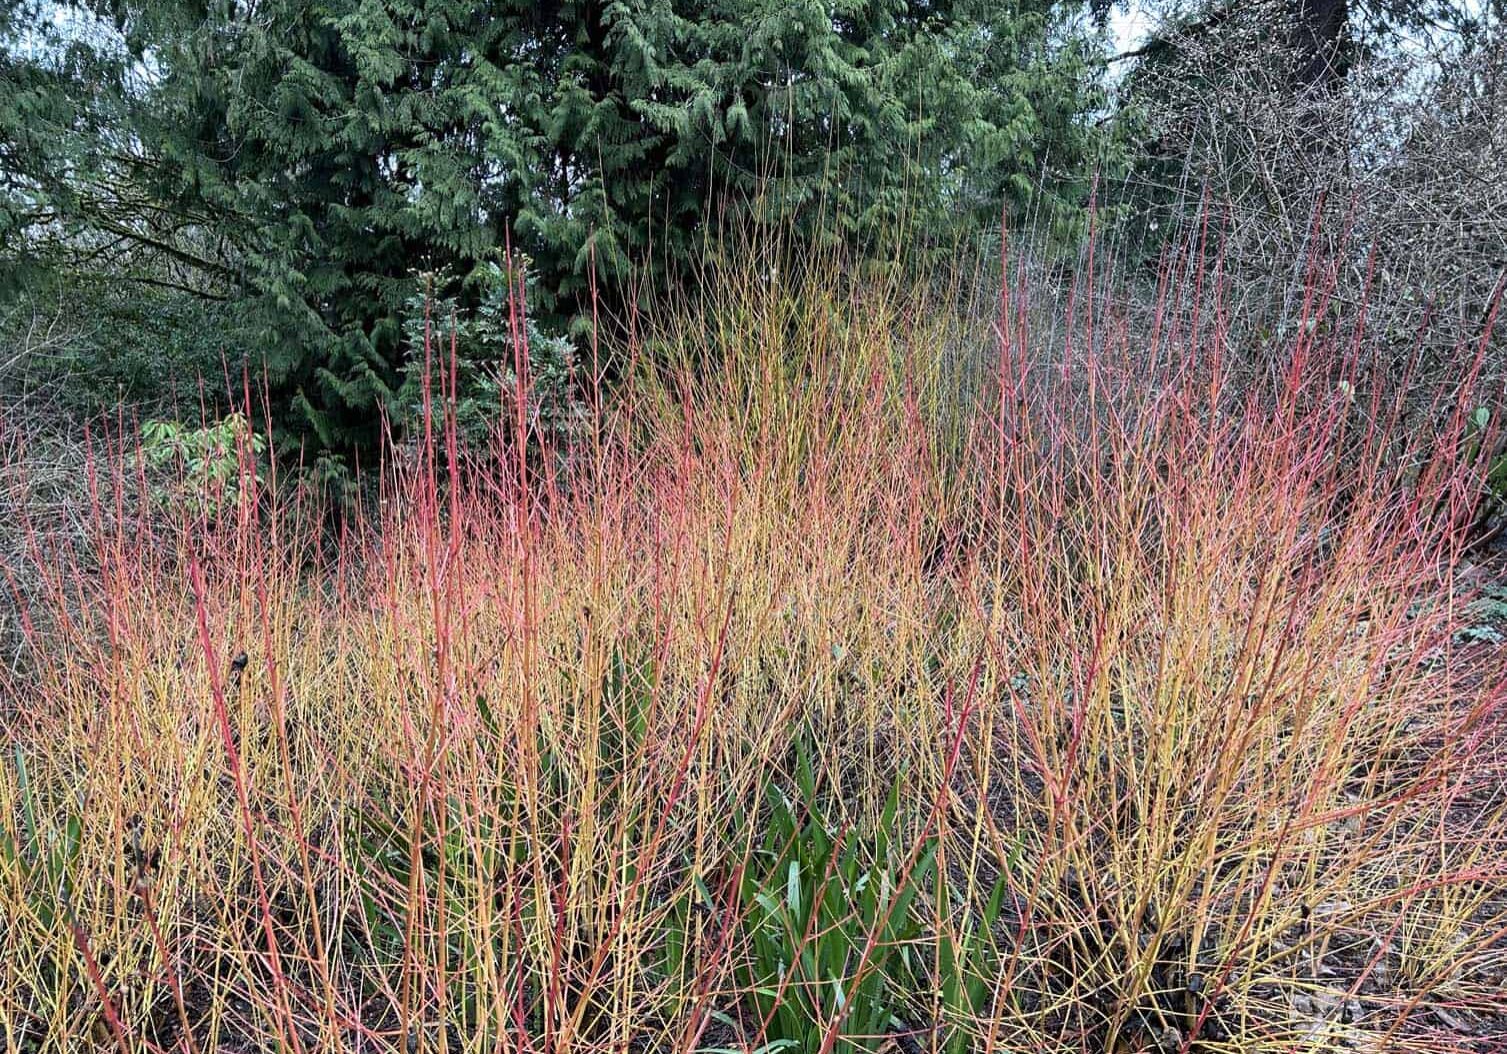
[1322, 36]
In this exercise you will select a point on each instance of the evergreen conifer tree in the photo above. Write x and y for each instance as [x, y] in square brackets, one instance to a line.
[313, 158]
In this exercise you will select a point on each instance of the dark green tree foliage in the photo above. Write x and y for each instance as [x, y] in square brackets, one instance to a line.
[55, 135]
[313, 158]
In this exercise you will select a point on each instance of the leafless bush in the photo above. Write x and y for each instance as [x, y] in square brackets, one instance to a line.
[1394, 174]
[44, 487]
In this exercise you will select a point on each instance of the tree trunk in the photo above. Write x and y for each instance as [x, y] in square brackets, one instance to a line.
[1322, 37]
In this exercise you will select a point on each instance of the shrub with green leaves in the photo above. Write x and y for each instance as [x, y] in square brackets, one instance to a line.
[204, 468]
